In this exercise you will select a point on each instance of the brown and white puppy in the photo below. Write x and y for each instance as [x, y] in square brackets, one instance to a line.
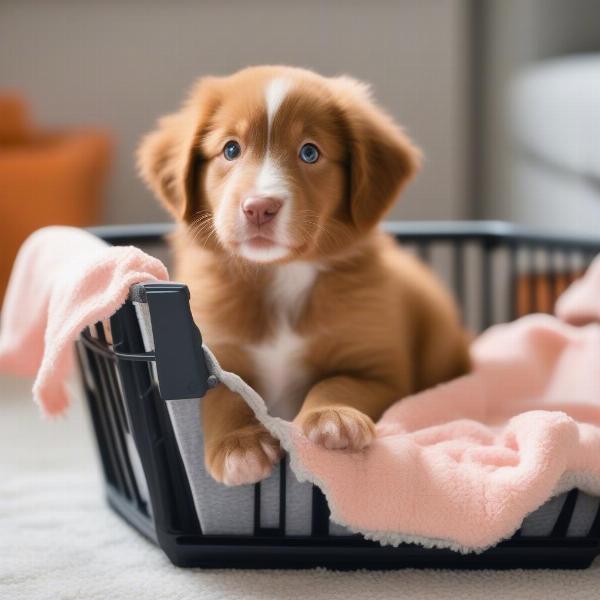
[278, 178]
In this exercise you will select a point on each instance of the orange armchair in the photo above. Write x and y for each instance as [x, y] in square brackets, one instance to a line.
[45, 179]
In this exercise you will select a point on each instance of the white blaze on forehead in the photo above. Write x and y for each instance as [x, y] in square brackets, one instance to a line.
[274, 95]
[271, 182]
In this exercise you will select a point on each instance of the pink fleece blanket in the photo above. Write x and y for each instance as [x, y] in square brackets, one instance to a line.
[63, 280]
[461, 465]
[457, 466]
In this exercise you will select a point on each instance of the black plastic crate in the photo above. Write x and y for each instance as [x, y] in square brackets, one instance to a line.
[497, 272]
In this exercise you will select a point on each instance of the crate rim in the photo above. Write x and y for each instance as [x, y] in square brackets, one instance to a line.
[490, 231]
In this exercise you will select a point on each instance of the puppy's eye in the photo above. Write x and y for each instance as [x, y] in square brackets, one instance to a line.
[309, 153]
[231, 150]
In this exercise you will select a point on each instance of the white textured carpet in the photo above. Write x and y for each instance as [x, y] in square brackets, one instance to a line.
[59, 541]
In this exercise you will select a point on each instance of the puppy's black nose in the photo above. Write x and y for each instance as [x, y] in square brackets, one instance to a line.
[260, 210]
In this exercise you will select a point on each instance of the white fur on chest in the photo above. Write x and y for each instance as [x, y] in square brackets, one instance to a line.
[279, 361]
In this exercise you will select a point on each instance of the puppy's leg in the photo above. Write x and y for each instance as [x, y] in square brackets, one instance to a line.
[237, 448]
[339, 412]
[444, 352]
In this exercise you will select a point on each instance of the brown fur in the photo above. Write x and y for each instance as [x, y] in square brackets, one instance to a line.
[377, 324]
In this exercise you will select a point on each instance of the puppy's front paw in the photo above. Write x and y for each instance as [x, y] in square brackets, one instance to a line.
[243, 456]
[339, 427]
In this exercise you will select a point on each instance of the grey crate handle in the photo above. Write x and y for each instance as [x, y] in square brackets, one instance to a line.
[180, 363]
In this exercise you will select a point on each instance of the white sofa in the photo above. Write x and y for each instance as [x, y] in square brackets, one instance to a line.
[555, 132]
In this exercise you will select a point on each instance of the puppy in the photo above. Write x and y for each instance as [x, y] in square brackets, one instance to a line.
[278, 178]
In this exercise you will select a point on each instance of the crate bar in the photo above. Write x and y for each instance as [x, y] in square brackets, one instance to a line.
[532, 275]
[458, 276]
[551, 275]
[423, 249]
[320, 513]
[566, 514]
[116, 417]
[487, 297]
[105, 449]
[513, 276]
[118, 429]
[104, 420]
[280, 529]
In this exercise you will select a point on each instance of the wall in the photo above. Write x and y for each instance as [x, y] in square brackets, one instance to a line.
[121, 64]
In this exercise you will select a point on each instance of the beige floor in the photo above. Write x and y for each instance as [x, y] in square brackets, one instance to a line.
[59, 541]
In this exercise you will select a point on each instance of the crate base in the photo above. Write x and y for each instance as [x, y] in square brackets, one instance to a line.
[217, 552]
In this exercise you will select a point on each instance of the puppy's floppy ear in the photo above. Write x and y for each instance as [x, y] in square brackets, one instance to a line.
[169, 158]
[382, 157]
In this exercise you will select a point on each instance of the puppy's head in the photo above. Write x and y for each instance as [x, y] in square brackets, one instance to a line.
[273, 164]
